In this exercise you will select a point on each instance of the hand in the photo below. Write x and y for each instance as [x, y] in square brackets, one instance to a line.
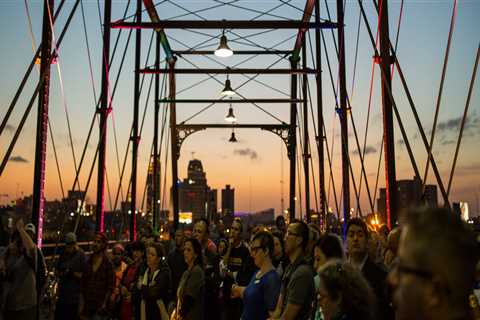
[236, 292]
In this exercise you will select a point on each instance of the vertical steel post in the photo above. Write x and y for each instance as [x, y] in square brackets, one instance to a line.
[156, 182]
[174, 140]
[104, 111]
[42, 122]
[134, 137]
[320, 136]
[306, 152]
[292, 136]
[388, 134]
[343, 114]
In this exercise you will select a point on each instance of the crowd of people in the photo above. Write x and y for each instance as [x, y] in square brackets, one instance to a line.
[426, 268]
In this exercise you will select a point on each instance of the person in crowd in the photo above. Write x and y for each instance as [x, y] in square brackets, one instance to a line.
[176, 260]
[238, 269]
[435, 271]
[191, 290]
[357, 243]
[41, 275]
[118, 268]
[211, 269]
[313, 235]
[344, 294]
[219, 233]
[298, 289]
[222, 248]
[97, 281]
[281, 225]
[279, 260]
[17, 269]
[374, 247]
[329, 246]
[201, 232]
[70, 268]
[130, 295]
[155, 285]
[261, 294]
[391, 250]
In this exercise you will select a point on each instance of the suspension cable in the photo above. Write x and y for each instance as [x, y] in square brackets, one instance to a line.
[462, 126]
[30, 104]
[29, 70]
[411, 103]
[440, 91]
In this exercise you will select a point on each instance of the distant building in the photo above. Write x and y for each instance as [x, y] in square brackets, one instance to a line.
[194, 194]
[151, 181]
[228, 204]
[409, 195]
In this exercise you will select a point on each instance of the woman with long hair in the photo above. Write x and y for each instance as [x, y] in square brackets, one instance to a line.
[190, 293]
[155, 285]
[344, 294]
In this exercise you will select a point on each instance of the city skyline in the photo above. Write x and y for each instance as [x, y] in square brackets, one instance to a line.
[254, 164]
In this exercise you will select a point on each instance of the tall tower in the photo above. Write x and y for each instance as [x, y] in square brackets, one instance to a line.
[150, 183]
[228, 203]
[193, 191]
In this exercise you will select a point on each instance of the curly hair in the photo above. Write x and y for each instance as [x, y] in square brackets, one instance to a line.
[342, 280]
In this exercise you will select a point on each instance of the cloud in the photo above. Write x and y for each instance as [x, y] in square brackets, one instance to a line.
[9, 128]
[19, 159]
[247, 152]
[447, 142]
[454, 124]
[368, 150]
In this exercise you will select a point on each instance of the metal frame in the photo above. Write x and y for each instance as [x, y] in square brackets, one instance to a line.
[225, 24]
[287, 132]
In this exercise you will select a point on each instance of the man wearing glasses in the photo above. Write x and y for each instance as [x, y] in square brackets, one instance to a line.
[435, 273]
[298, 289]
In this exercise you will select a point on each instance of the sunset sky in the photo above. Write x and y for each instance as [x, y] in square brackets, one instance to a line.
[253, 166]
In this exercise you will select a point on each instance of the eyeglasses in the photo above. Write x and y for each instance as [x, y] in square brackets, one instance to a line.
[236, 229]
[401, 268]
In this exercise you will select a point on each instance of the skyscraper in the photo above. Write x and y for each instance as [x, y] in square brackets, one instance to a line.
[228, 203]
[150, 183]
[193, 191]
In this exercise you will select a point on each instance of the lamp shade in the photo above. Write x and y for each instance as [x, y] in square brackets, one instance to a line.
[227, 91]
[232, 138]
[230, 116]
[223, 50]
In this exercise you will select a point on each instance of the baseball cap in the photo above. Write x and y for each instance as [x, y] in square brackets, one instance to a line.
[30, 227]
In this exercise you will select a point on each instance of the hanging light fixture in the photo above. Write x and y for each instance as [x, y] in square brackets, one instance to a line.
[223, 50]
[232, 137]
[230, 116]
[227, 91]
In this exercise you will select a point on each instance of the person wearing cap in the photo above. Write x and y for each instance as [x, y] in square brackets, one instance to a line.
[97, 281]
[41, 274]
[69, 270]
[18, 266]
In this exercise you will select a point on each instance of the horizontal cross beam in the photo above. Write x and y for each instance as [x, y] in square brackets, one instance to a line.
[229, 71]
[237, 52]
[234, 125]
[167, 100]
[223, 24]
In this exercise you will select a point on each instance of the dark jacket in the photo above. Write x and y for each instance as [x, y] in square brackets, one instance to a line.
[376, 277]
[158, 288]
